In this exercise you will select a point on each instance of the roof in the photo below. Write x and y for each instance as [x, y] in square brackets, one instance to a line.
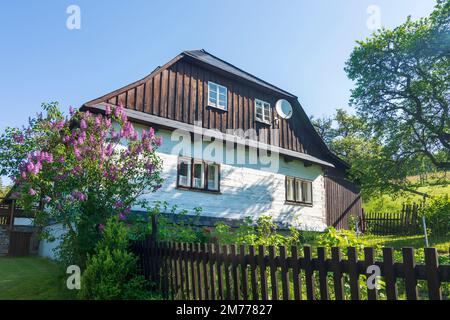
[206, 57]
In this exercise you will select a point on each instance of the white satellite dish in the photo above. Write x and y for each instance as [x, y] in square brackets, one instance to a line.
[284, 108]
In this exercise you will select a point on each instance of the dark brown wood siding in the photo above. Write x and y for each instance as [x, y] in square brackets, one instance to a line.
[343, 200]
[180, 92]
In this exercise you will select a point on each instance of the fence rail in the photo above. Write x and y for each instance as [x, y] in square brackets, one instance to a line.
[405, 222]
[211, 271]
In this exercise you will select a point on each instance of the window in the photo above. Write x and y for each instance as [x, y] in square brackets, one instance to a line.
[184, 173]
[198, 175]
[298, 190]
[262, 111]
[213, 177]
[217, 96]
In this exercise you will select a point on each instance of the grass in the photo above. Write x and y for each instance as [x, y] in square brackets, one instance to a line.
[437, 185]
[398, 242]
[32, 278]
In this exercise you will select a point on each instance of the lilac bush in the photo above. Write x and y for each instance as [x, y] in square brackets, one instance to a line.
[82, 169]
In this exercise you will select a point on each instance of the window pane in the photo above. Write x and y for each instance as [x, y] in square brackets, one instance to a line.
[184, 176]
[298, 190]
[213, 177]
[307, 191]
[212, 87]
[290, 189]
[266, 112]
[223, 90]
[222, 101]
[198, 181]
[212, 100]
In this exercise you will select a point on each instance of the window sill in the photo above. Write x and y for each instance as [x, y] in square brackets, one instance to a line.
[197, 190]
[218, 108]
[294, 203]
[267, 123]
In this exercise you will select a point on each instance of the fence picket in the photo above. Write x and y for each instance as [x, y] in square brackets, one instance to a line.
[389, 273]
[205, 270]
[262, 268]
[244, 271]
[323, 274]
[432, 270]
[212, 272]
[409, 265]
[309, 275]
[369, 260]
[284, 273]
[227, 272]
[273, 273]
[193, 275]
[338, 280]
[354, 275]
[296, 274]
[253, 278]
[235, 273]
[219, 271]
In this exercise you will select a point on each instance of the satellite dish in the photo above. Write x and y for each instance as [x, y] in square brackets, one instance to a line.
[284, 108]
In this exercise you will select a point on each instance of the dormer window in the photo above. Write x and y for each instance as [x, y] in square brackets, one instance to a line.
[217, 96]
[262, 111]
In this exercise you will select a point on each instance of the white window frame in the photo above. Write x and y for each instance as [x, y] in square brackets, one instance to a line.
[306, 191]
[264, 105]
[217, 104]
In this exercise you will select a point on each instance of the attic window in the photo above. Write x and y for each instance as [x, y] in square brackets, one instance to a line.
[262, 111]
[217, 96]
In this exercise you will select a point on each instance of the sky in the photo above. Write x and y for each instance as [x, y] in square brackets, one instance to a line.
[300, 46]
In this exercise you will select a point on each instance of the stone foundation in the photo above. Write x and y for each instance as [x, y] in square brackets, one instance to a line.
[4, 240]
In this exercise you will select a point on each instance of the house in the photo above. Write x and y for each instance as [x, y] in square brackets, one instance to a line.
[236, 145]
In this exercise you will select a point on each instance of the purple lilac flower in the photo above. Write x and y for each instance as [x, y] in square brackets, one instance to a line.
[31, 192]
[83, 124]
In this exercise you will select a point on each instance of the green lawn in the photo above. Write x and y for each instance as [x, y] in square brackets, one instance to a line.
[417, 241]
[32, 278]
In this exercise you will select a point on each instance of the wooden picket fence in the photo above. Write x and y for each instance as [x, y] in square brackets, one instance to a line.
[211, 272]
[405, 222]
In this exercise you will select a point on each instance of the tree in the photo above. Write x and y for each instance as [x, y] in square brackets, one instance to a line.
[402, 91]
[352, 139]
[83, 169]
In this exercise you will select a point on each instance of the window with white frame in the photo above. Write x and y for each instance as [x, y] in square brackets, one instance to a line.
[262, 111]
[298, 190]
[213, 177]
[198, 175]
[217, 96]
[184, 172]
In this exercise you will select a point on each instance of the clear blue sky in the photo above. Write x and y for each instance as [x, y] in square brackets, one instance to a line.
[300, 46]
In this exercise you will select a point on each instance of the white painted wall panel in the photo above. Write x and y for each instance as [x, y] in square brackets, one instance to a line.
[246, 189]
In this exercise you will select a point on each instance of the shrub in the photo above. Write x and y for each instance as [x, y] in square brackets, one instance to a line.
[437, 215]
[111, 273]
[339, 238]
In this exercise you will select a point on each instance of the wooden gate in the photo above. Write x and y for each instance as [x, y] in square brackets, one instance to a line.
[19, 243]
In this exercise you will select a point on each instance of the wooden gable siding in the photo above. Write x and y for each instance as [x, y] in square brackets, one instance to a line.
[180, 92]
[343, 199]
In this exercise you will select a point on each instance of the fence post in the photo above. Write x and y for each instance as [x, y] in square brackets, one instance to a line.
[154, 234]
[432, 266]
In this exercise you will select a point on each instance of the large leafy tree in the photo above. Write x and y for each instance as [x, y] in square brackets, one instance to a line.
[402, 79]
[82, 169]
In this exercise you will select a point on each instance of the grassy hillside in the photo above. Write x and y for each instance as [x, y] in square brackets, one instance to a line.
[437, 184]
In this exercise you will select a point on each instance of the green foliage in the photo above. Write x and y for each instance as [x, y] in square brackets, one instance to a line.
[263, 233]
[111, 273]
[339, 238]
[437, 216]
[402, 92]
